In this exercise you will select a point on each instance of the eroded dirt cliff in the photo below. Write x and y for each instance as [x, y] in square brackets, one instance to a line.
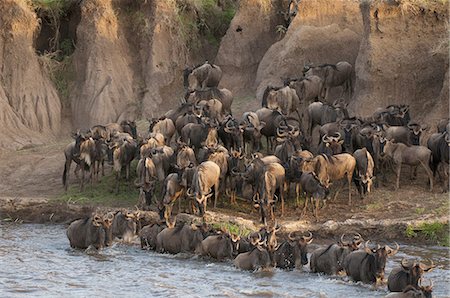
[30, 109]
[399, 61]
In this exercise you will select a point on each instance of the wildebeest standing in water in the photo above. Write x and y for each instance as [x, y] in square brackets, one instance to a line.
[83, 233]
[409, 273]
[329, 260]
[368, 265]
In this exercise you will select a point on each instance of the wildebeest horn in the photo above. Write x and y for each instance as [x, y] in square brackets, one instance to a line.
[425, 267]
[308, 239]
[279, 134]
[367, 248]
[325, 138]
[290, 237]
[338, 136]
[189, 192]
[342, 239]
[391, 251]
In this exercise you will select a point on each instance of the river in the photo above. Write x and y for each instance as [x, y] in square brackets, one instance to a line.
[37, 261]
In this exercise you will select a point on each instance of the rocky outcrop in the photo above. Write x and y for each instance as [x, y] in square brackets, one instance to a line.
[30, 110]
[103, 91]
[396, 63]
[251, 32]
[322, 32]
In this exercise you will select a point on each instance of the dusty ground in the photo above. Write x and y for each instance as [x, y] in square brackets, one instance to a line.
[31, 190]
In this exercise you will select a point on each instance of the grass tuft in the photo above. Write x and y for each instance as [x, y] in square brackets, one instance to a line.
[435, 232]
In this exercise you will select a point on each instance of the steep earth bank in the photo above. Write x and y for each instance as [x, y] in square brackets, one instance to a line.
[30, 110]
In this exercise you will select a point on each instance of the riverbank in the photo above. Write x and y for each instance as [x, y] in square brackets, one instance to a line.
[424, 230]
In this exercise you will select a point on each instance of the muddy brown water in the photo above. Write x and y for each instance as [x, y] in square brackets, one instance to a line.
[37, 261]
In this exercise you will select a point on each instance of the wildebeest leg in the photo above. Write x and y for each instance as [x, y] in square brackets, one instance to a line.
[117, 181]
[127, 174]
[282, 190]
[216, 193]
[103, 167]
[305, 206]
[349, 180]
[429, 173]
[65, 177]
[297, 194]
[77, 169]
[82, 177]
[397, 173]
[316, 209]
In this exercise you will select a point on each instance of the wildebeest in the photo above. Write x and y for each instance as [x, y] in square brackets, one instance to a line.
[185, 156]
[85, 232]
[314, 191]
[333, 75]
[223, 95]
[230, 133]
[307, 88]
[220, 247]
[413, 156]
[257, 258]
[203, 76]
[124, 152]
[330, 259]
[412, 292]
[330, 144]
[148, 235]
[368, 265]
[195, 134]
[273, 120]
[332, 168]
[72, 153]
[87, 159]
[363, 171]
[252, 130]
[293, 253]
[321, 113]
[206, 176]
[172, 191]
[164, 126]
[283, 99]
[272, 179]
[439, 144]
[408, 135]
[409, 273]
[181, 238]
[394, 115]
[124, 225]
[146, 177]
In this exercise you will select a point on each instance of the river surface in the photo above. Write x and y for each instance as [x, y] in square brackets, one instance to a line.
[37, 261]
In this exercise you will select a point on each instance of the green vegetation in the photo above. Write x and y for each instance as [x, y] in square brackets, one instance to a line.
[52, 11]
[204, 18]
[232, 228]
[434, 232]
[103, 192]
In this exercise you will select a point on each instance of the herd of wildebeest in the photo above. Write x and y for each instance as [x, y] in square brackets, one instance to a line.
[200, 150]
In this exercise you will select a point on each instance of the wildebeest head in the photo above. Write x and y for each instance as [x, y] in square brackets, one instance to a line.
[301, 250]
[378, 257]
[415, 132]
[79, 138]
[129, 127]
[415, 270]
